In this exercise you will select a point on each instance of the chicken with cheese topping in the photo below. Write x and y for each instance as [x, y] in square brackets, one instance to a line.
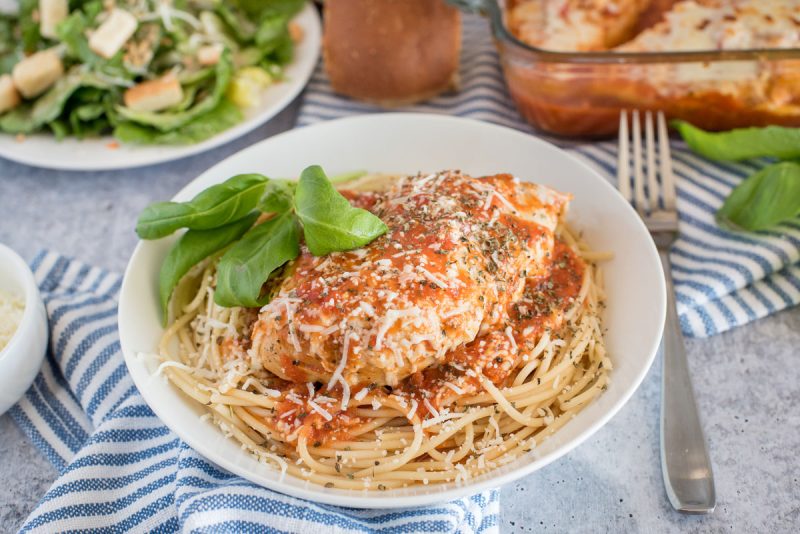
[574, 25]
[457, 254]
[688, 25]
[722, 25]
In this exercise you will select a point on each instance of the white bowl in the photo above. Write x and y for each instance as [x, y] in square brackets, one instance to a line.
[22, 357]
[408, 143]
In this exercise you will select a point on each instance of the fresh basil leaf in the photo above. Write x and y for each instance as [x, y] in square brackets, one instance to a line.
[246, 266]
[330, 223]
[277, 196]
[193, 247]
[743, 143]
[214, 207]
[768, 197]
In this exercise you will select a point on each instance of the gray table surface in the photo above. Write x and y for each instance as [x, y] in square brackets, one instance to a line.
[747, 382]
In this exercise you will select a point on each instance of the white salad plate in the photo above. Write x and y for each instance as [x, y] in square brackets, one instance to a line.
[104, 153]
[22, 356]
[407, 143]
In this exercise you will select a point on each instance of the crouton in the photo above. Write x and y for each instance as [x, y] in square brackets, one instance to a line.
[9, 97]
[154, 95]
[51, 13]
[209, 55]
[35, 74]
[113, 33]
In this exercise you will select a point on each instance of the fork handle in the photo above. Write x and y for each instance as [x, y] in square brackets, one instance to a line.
[685, 464]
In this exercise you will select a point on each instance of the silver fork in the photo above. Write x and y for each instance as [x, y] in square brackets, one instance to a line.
[684, 458]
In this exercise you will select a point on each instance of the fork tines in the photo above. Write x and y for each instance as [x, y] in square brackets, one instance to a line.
[650, 182]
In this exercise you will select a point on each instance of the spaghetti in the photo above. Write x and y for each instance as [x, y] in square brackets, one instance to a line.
[483, 405]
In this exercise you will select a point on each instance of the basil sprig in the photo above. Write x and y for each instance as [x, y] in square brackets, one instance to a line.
[241, 271]
[193, 247]
[214, 207]
[223, 219]
[766, 198]
[330, 223]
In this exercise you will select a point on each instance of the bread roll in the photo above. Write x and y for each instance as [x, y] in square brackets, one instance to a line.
[392, 52]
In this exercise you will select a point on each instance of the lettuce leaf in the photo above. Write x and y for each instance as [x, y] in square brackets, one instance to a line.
[167, 121]
[48, 107]
[29, 26]
[219, 119]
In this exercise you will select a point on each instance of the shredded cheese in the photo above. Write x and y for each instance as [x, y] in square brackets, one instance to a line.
[430, 407]
[457, 390]
[320, 410]
[11, 310]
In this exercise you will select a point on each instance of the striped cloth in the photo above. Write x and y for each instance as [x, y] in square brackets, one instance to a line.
[121, 469]
[722, 279]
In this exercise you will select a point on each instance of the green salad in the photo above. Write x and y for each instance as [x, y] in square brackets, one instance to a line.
[146, 71]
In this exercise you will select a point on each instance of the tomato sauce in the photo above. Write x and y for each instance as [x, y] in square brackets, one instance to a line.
[544, 302]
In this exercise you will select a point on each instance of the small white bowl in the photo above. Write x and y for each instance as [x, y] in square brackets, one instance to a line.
[22, 357]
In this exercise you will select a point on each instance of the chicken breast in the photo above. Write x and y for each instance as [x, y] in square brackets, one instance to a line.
[722, 25]
[574, 25]
[457, 254]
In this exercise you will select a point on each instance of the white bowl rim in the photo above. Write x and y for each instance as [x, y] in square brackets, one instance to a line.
[332, 497]
[30, 294]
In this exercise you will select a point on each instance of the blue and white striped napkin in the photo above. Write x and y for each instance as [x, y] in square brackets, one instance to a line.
[121, 469]
[723, 279]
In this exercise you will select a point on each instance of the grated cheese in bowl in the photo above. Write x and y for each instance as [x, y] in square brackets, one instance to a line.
[11, 309]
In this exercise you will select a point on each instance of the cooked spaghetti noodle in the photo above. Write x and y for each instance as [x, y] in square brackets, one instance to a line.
[485, 404]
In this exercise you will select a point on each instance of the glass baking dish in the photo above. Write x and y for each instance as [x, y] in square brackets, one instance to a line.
[580, 94]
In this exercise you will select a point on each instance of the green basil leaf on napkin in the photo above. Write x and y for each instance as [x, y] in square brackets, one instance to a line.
[247, 265]
[216, 206]
[743, 143]
[192, 248]
[766, 198]
[330, 223]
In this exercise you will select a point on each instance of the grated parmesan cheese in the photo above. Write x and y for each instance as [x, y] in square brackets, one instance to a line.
[11, 310]
[320, 410]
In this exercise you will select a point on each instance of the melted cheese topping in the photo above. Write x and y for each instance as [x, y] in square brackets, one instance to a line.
[574, 25]
[723, 25]
[458, 253]
[587, 25]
